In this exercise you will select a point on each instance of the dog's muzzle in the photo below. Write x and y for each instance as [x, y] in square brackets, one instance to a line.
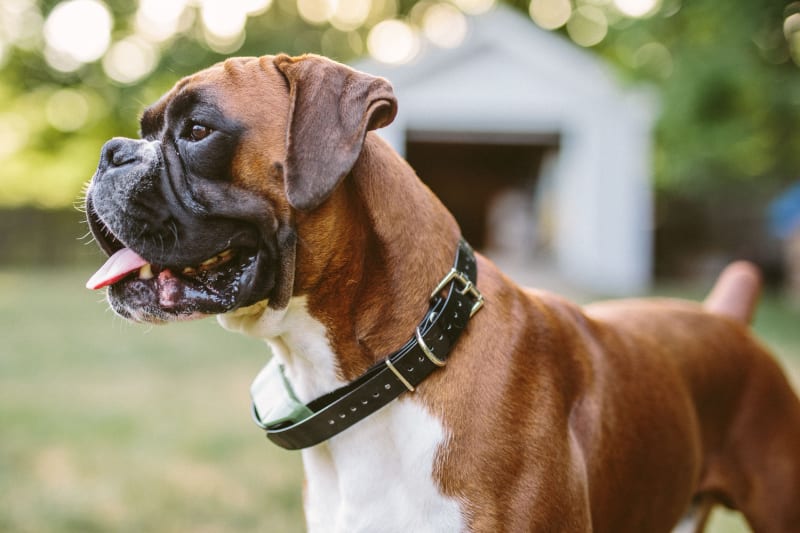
[174, 253]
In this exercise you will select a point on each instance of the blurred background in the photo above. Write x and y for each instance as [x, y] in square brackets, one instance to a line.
[595, 147]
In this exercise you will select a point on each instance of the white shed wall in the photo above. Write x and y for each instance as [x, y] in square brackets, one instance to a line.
[512, 77]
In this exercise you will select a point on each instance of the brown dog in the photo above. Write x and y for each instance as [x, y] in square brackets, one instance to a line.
[258, 194]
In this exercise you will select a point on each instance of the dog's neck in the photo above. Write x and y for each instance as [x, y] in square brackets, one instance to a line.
[361, 273]
[377, 276]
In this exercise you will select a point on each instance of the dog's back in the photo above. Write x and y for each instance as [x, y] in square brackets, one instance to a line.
[747, 417]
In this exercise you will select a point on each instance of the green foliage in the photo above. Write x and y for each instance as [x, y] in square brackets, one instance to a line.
[730, 91]
[51, 166]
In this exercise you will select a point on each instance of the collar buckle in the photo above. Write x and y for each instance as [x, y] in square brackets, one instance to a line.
[468, 288]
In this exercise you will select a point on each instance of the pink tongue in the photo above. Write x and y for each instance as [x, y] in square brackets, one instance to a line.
[117, 267]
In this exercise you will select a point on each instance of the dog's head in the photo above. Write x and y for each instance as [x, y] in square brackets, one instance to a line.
[198, 216]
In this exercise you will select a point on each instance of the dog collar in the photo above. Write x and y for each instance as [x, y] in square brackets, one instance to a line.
[293, 425]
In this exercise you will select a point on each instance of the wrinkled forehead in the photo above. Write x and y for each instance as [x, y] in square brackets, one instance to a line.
[238, 87]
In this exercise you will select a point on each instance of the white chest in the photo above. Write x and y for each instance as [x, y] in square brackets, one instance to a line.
[378, 476]
[375, 477]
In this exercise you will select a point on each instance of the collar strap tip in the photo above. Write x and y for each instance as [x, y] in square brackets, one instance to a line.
[256, 418]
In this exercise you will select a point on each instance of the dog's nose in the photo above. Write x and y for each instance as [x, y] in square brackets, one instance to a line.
[119, 152]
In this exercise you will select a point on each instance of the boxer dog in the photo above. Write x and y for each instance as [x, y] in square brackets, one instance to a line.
[428, 391]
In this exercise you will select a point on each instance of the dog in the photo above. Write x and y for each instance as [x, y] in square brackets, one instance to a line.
[427, 391]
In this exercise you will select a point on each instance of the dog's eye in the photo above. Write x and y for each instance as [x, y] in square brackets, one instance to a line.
[198, 132]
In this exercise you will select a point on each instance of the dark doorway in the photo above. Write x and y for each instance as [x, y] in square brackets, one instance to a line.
[485, 180]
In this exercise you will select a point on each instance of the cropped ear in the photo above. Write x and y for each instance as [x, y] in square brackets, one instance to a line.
[332, 108]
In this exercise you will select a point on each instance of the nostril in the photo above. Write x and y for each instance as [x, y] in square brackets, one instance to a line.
[122, 158]
[117, 152]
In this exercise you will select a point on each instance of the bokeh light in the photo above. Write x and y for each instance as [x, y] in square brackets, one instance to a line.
[637, 8]
[474, 7]
[654, 58]
[20, 24]
[587, 26]
[224, 45]
[77, 32]
[130, 60]
[316, 11]
[355, 42]
[59, 60]
[381, 10]
[158, 20]
[550, 14]
[791, 24]
[14, 133]
[224, 22]
[67, 110]
[791, 30]
[393, 41]
[223, 18]
[256, 7]
[444, 25]
[349, 15]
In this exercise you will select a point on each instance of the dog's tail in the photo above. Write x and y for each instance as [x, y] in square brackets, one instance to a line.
[736, 292]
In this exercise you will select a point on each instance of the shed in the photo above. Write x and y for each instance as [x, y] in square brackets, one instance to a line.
[536, 148]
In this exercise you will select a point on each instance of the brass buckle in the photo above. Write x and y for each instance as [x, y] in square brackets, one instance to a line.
[469, 287]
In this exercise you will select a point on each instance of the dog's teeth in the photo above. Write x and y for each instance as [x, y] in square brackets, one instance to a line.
[146, 271]
[219, 258]
[209, 262]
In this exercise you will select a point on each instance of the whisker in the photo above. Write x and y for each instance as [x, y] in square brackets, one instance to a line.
[174, 230]
[87, 238]
[79, 203]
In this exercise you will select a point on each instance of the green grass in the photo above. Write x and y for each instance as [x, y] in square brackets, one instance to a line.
[107, 426]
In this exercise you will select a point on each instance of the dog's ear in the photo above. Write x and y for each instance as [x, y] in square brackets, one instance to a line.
[332, 108]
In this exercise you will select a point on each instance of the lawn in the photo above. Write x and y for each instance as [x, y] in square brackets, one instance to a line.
[108, 426]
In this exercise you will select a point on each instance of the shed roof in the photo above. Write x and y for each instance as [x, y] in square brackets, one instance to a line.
[509, 74]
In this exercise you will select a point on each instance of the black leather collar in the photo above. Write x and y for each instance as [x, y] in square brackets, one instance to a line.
[453, 302]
